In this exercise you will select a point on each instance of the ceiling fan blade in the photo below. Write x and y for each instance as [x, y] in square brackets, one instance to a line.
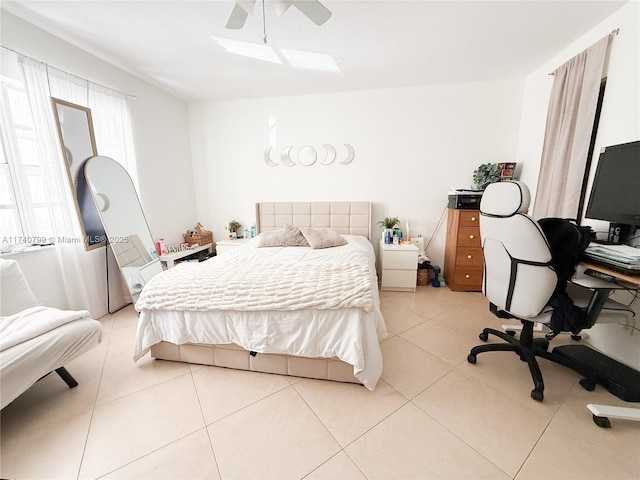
[282, 6]
[314, 10]
[241, 10]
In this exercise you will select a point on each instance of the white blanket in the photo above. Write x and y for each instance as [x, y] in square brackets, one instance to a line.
[33, 322]
[249, 286]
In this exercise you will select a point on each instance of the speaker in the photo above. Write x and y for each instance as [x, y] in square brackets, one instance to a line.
[618, 232]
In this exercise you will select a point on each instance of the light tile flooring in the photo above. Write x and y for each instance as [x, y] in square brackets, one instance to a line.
[433, 415]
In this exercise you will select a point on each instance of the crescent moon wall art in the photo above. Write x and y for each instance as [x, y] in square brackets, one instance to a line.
[351, 153]
[285, 158]
[330, 156]
[307, 156]
[267, 158]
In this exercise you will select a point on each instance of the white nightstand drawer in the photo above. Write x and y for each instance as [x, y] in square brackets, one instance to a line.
[399, 280]
[400, 260]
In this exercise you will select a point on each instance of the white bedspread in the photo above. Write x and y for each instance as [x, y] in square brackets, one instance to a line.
[333, 327]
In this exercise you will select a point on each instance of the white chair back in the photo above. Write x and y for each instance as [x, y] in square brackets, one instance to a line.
[518, 277]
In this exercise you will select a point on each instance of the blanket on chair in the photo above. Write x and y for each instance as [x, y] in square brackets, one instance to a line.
[33, 322]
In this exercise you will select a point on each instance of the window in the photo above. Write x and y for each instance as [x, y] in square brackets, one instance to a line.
[25, 215]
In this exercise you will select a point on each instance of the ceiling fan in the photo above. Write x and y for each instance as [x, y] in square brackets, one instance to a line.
[312, 9]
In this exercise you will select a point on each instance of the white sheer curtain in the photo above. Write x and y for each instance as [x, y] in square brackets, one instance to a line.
[83, 272]
[570, 122]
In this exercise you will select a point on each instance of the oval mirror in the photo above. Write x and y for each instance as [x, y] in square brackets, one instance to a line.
[124, 222]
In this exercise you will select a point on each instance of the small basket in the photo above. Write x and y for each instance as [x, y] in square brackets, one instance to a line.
[198, 236]
[423, 277]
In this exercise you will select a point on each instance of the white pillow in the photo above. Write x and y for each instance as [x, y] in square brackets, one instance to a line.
[15, 293]
[322, 237]
[272, 238]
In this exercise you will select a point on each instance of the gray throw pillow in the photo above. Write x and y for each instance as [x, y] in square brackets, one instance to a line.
[322, 237]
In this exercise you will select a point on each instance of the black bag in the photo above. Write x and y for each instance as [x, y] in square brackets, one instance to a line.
[567, 242]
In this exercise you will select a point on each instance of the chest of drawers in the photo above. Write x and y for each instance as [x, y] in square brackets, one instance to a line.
[463, 263]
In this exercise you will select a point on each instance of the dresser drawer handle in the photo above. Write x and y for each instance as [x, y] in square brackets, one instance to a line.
[471, 236]
[469, 257]
[473, 219]
[467, 276]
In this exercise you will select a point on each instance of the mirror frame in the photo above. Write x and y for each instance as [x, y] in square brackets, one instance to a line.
[102, 203]
[76, 148]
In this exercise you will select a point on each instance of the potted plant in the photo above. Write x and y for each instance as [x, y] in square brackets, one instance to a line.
[388, 223]
[233, 228]
[485, 174]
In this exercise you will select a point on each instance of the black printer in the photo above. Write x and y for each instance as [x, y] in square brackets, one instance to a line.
[465, 199]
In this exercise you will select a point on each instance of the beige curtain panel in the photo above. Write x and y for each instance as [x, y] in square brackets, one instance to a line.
[570, 121]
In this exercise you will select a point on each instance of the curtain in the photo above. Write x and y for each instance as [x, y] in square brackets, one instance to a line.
[570, 122]
[83, 273]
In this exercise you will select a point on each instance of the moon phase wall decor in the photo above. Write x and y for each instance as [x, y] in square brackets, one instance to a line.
[307, 156]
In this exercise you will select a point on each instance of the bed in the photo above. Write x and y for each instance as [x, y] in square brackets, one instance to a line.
[291, 310]
[36, 340]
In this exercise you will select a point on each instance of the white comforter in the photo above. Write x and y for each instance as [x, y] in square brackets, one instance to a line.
[320, 326]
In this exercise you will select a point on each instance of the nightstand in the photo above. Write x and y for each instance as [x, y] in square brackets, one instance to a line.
[399, 267]
[224, 246]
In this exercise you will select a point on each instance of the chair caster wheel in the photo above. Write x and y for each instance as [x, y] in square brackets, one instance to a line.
[602, 422]
[471, 358]
[587, 384]
[577, 338]
[484, 336]
[511, 332]
[537, 394]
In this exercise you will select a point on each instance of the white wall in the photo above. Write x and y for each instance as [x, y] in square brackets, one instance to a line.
[619, 123]
[412, 145]
[160, 129]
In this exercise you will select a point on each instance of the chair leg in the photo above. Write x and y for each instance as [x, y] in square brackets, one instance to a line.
[66, 376]
[526, 347]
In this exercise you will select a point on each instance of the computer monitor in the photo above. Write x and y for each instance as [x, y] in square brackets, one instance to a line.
[615, 194]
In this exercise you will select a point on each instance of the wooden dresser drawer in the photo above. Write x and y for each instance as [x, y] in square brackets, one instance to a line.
[469, 257]
[469, 277]
[470, 218]
[469, 237]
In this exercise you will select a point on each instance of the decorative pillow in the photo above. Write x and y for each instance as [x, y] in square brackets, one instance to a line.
[293, 237]
[272, 238]
[322, 237]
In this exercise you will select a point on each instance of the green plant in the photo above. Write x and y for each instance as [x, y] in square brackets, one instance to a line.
[485, 174]
[233, 226]
[389, 222]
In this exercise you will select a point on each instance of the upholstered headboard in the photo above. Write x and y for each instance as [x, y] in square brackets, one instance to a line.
[349, 218]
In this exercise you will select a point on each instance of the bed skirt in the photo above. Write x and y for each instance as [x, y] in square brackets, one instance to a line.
[233, 356]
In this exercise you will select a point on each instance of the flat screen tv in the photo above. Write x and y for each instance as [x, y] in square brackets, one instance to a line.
[615, 194]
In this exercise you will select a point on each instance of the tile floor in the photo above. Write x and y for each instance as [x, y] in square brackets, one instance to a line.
[432, 415]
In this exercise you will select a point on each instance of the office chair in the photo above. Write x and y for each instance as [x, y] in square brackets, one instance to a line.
[519, 281]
